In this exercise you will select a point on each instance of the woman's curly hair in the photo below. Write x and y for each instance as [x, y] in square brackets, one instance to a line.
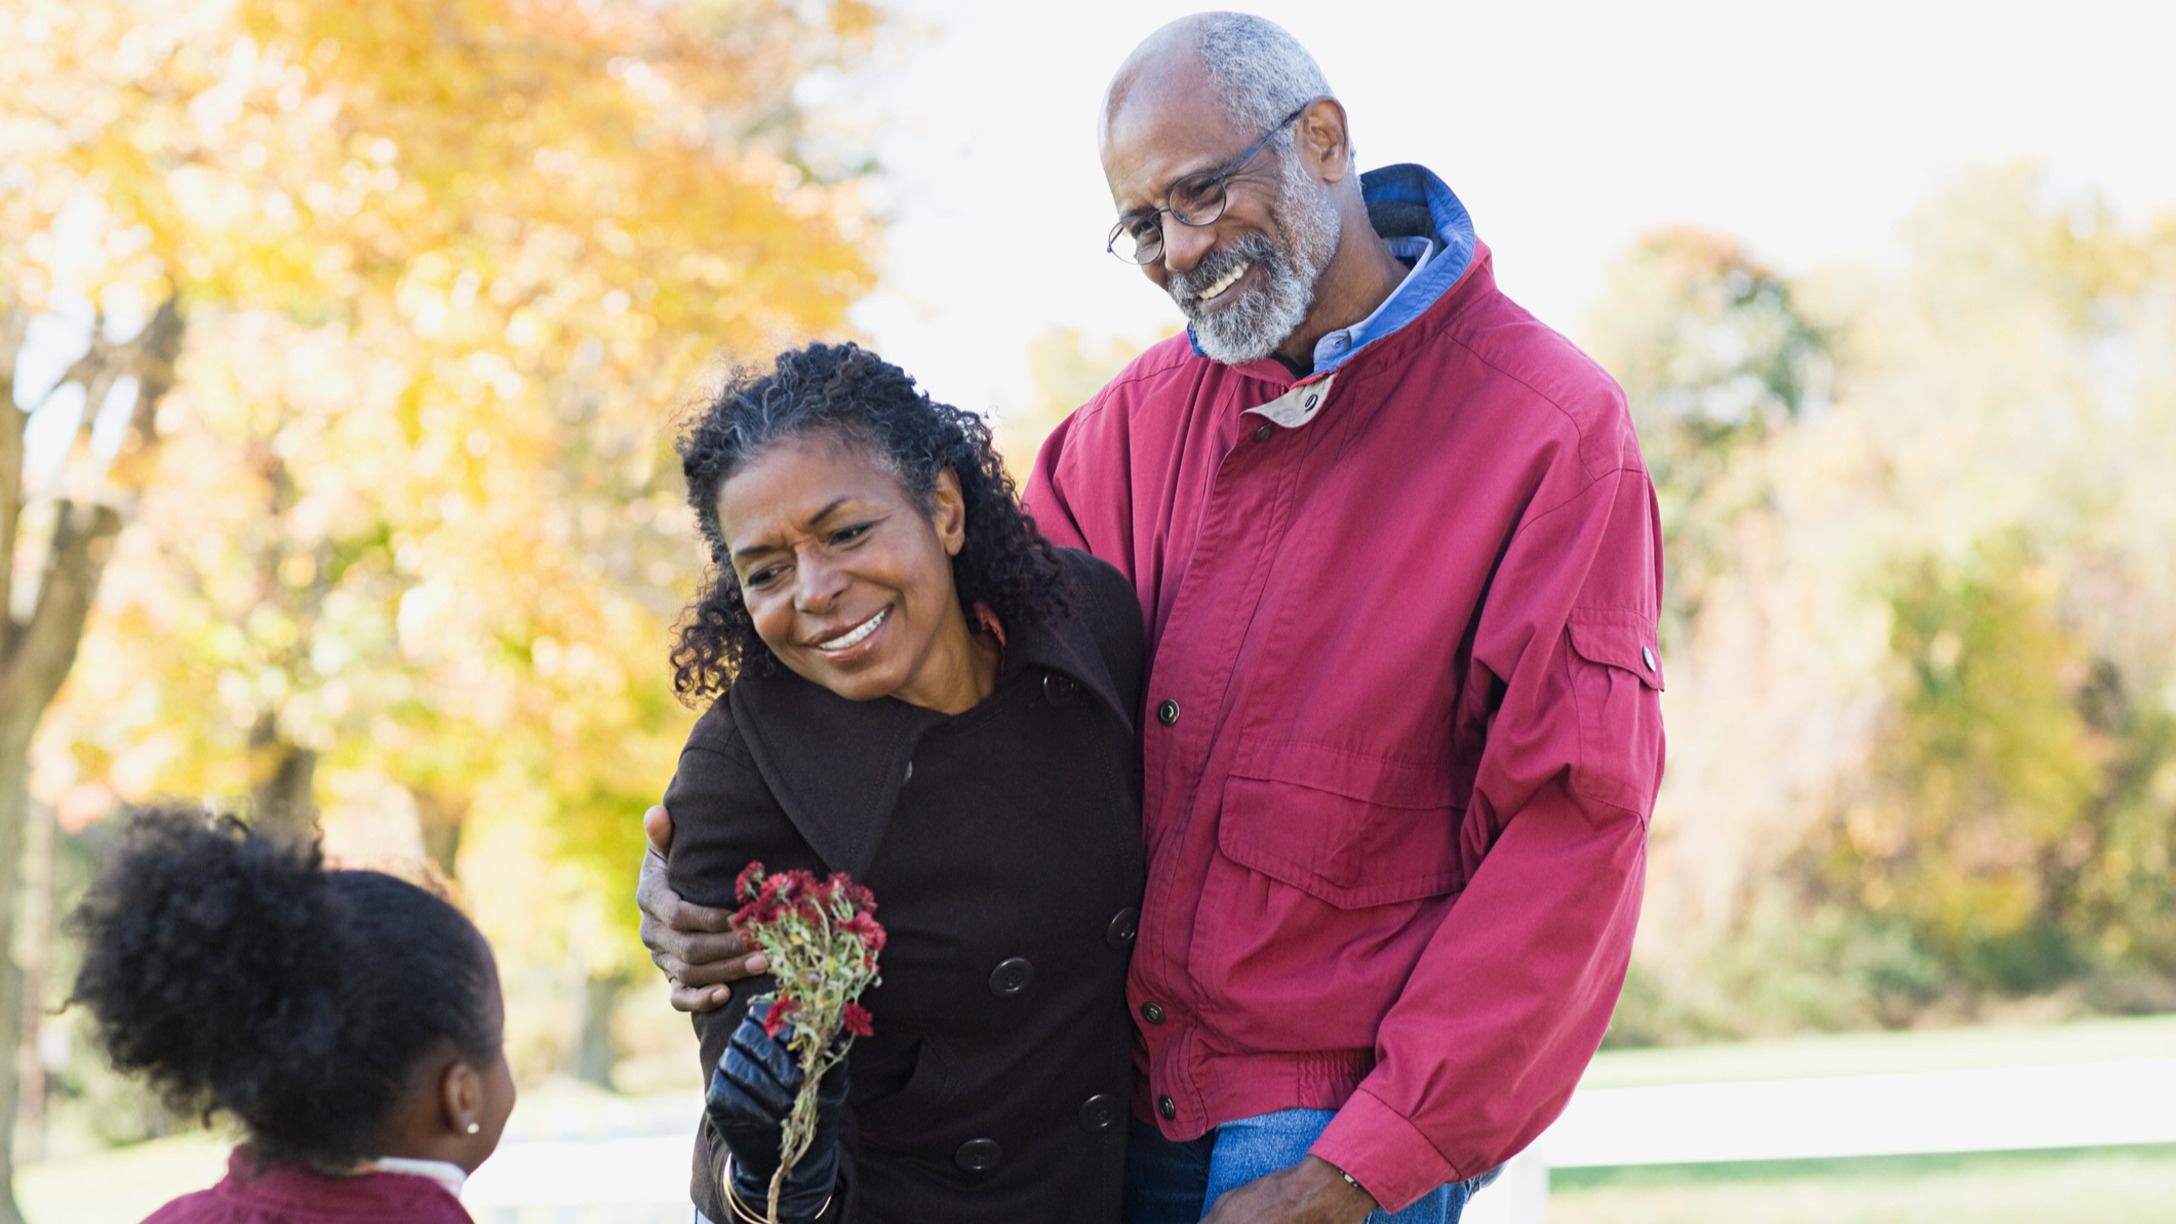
[851, 394]
[243, 977]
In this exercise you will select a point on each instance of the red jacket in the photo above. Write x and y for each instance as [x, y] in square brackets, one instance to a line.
[287, 1194]
[1403, 731]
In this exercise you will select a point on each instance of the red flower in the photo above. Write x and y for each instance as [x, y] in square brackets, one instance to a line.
[750, 878]
[857, 1020]
[777, 1018]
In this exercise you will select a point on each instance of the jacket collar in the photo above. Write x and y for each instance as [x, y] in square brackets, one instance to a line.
[1404, 201]
[837, 766]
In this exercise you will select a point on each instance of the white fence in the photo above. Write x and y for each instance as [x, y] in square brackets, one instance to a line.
[643, 1179]
[2013, 1109]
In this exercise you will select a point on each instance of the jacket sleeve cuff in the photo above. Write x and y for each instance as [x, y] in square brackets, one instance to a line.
[1383, 1152]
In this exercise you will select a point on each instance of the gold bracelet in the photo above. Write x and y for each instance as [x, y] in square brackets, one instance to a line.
[740, 1210]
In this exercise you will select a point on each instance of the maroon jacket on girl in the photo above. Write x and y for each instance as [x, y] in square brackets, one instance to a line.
[290, 1194]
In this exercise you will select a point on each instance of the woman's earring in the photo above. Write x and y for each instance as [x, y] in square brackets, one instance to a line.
[473, 1127]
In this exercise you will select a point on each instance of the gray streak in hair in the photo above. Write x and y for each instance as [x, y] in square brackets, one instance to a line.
[1261, 72]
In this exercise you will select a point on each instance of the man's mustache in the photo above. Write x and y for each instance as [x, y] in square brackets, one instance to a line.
[1185, 287]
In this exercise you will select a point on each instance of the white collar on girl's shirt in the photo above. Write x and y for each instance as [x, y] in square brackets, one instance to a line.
[443, 1172]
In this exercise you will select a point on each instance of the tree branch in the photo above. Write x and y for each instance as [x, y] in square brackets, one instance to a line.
[82, 541]
[13, 420]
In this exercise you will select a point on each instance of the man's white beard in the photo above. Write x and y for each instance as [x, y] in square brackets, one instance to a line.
[1251, 327]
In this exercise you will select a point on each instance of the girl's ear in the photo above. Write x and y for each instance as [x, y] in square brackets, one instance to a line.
[461, 1098]
[950, 514]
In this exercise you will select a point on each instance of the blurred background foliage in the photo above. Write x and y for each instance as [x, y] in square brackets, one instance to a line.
[344, 345]
[1918, 523]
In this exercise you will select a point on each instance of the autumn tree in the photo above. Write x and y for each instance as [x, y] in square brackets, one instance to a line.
[396, 500]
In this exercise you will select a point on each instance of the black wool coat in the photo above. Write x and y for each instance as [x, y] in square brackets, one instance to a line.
[1003, 845]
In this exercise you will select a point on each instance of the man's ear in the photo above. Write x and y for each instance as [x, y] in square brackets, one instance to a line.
[461, 1098]
[1321, 140]
[949, 516]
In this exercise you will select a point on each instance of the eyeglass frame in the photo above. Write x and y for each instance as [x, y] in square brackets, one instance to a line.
[1213, 178]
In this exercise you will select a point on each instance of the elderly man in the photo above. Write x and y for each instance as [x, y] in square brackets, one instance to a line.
[1398, 557]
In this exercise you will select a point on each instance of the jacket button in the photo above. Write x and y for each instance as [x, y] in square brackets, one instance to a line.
[1058, 689]
[1168, 712]
[1647, 656]
[1152, 1012]
[1011, 977]
[910, 773]
[1099, 1113]
[978, 1155]
[1262, 433]
[1166, 1108]
[1125, 926]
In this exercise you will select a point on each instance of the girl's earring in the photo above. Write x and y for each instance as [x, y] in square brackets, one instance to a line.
[473, 1127]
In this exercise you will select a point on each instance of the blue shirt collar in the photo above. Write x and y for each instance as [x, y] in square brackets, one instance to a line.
[1445, 250]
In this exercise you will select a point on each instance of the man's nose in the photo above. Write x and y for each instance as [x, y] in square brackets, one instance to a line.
[1185, 245]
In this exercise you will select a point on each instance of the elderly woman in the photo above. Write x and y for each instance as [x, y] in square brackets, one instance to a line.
[907, 684]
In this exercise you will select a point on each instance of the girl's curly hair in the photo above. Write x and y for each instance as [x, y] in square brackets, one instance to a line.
[241, 976]
[851, 394]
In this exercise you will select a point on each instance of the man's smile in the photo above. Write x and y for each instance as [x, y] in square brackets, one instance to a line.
[1216, 288]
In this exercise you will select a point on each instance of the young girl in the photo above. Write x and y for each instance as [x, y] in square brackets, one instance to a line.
[349, 1020]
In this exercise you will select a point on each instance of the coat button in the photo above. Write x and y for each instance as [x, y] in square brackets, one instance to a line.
[1166, 1108]
[978, 1155]
[1168, 712]
[1152, 1012]
[1125, 927]
[1058, 688]
[1262, 433]
[1099, 1113]
[910, 773]
[1011, 977]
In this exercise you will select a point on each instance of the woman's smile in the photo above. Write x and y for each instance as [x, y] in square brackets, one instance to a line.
[847, 576]
[839, 647]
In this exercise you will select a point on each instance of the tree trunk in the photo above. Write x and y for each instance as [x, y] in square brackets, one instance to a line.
[441, 817]
[594, 1048]
[14, 811]
[37, 945]
[283, 802]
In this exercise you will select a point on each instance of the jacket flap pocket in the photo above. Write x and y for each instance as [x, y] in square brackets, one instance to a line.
[1621, 640]
[1370, 779]
[1353, 831]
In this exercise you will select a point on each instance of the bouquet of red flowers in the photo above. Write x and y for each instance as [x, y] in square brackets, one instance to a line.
[822, 940]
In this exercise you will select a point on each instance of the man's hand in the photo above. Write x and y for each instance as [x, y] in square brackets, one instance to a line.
[1310, 1192]
[695, 945]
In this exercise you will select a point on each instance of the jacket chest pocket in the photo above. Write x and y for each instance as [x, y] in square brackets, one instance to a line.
[1352, 830]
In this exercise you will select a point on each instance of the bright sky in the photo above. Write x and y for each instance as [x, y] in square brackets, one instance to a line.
[1568, 128]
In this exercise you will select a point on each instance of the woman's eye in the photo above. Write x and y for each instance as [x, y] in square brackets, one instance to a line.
[761, 578]
[847, 535]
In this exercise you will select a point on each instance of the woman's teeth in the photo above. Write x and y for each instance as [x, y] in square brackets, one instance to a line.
[1225, 281]
[857, 633]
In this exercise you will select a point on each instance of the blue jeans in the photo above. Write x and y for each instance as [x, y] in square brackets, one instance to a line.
[1170, 1182]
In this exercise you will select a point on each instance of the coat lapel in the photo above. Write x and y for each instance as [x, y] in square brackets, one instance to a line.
[836, 766]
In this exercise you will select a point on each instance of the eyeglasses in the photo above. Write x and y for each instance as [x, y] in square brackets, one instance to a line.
[1197, 199]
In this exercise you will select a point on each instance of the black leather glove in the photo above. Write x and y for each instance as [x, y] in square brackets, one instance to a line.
[751, 1094]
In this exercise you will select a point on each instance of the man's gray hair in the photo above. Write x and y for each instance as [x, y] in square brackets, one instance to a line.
[1261, 72]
